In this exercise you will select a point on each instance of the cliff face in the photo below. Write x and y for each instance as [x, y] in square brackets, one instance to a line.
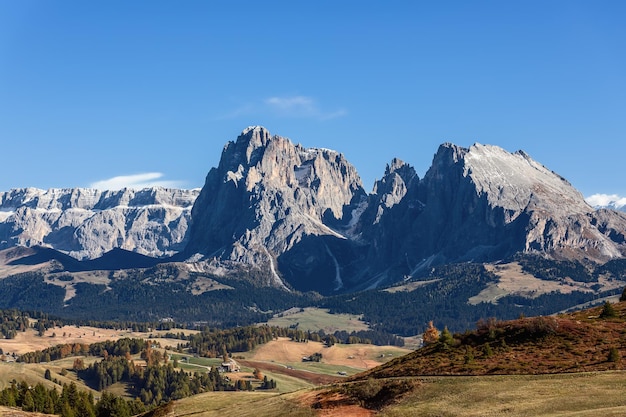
[496, 203]
[484, 204]
[269, 197]
[85, 223]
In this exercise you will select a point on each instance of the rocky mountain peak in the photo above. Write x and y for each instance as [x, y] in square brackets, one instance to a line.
[394, 166]
[391, 189]
[266, 196]
[484, 202]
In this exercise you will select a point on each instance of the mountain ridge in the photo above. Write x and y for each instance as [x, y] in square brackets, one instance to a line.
[86, 223]
[298, 218]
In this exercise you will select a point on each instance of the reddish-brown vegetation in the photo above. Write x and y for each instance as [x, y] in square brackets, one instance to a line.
[577, 342]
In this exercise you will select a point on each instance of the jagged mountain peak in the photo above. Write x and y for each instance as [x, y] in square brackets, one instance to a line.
[394, 165]
[267, 196]
[512, 181]
[254, 137]
[449, 152]
[406, 171]
[392, 187]
[484, 202]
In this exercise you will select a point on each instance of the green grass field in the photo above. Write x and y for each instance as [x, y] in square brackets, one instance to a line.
[315, 319]
[286, 383]
[192, 363]
[327, 369]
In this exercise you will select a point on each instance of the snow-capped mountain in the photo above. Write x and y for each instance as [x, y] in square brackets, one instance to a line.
[608, 201]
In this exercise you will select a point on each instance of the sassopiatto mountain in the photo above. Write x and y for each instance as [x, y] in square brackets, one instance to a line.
[277, 214]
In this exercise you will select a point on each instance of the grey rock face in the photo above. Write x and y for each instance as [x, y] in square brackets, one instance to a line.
[484, 203]
[268, 197]
[85, 223]
[301, 218]
[291, 217]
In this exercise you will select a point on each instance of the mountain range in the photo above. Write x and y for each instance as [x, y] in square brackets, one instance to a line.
[86, 223]
[299, 218]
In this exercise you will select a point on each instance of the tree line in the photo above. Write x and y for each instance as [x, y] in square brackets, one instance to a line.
[120, 347]
[70, 403]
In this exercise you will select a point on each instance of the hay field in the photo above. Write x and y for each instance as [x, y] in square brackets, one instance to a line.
[29, 341]
[357, 356]
[580, 395]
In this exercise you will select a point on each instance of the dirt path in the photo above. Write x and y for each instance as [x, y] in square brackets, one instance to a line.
[335, 405]
[312, 377]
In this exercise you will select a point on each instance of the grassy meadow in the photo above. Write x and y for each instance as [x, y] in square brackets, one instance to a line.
[315, 319]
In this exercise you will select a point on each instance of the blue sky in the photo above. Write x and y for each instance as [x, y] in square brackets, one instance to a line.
[150, 91]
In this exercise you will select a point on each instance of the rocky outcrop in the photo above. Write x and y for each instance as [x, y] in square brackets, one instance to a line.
[485, 204]
[537, 208]
[269, 197]
[86, 223]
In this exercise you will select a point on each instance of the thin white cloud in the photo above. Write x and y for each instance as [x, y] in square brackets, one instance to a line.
[300, 106]
[606, 200]
[136, 181]
[286, 106]
[292, 104]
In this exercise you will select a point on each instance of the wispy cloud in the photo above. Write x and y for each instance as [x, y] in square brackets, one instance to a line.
[136, 181]
[286, 106]
[604, 200]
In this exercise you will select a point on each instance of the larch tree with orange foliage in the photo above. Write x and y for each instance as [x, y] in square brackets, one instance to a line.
[431, 335]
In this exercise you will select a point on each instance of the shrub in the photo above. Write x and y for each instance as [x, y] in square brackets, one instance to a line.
[614, 355]
[608, 311]
[541, 326]
[487, 350]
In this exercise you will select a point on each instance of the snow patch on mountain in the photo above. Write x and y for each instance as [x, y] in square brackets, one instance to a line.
[610, 201]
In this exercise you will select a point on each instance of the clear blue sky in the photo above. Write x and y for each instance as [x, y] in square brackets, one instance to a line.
[91, 90]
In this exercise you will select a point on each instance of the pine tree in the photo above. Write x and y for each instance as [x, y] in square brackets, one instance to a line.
[446, 338]
[608, 311]
[28, 404]
[614, 355]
